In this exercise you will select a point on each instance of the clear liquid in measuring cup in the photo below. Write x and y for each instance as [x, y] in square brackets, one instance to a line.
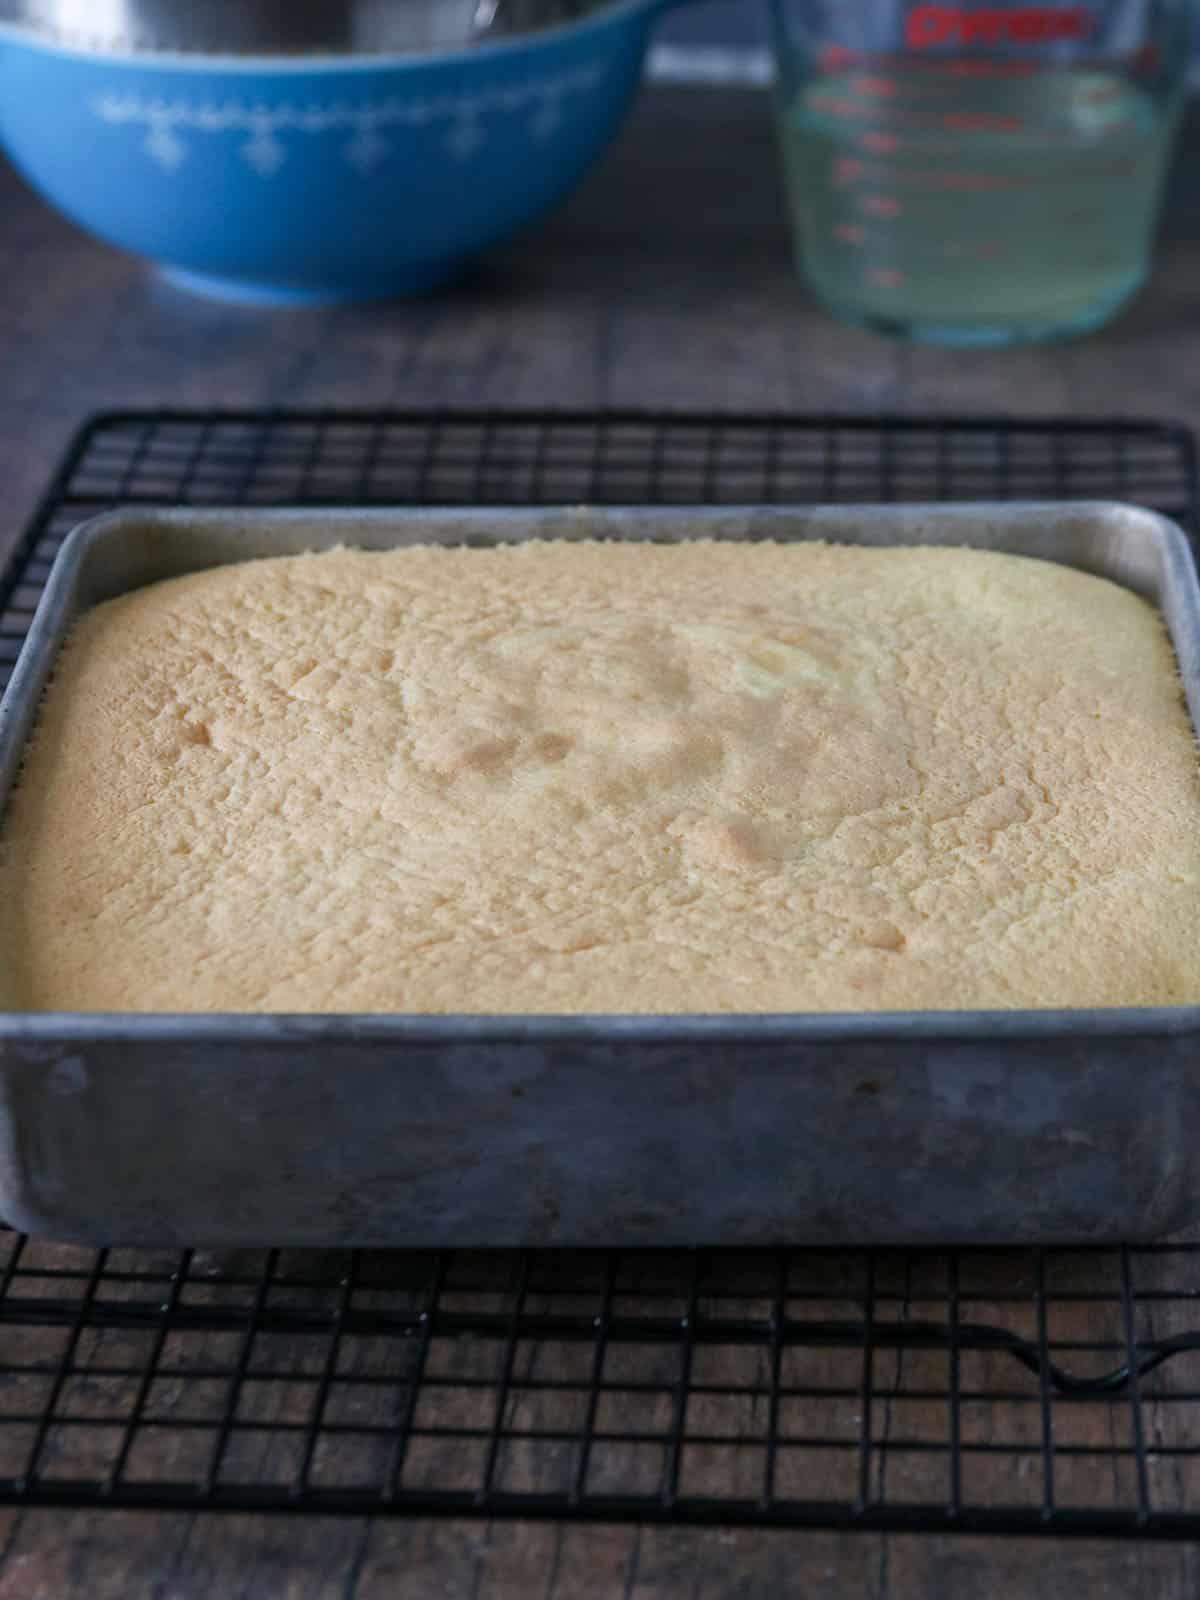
[973, 202]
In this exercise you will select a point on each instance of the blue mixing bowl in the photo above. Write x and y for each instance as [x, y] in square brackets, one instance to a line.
[319, 178]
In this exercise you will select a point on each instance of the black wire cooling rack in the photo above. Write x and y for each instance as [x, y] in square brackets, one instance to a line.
[1020, 1391]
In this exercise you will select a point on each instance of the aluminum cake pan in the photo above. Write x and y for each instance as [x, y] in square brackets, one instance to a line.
[961, 1127]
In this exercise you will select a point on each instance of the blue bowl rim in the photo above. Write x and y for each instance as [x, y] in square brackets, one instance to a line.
[202, 61]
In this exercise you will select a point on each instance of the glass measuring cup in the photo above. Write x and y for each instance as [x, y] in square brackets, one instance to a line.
[977, 174]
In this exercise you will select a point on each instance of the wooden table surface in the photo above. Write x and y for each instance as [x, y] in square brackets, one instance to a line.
[665, 281]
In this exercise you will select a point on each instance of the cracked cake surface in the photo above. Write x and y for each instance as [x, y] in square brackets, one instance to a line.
[609, 777]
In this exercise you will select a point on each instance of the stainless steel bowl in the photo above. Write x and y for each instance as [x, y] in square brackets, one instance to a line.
[287, 27]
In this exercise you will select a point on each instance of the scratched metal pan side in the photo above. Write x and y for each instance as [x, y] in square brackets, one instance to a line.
[617, 1131]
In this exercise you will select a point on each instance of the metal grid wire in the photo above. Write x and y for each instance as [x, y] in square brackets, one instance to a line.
[1022, 1391]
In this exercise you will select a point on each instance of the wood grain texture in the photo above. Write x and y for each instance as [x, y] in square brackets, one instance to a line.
[665, 281]
[52, 1555]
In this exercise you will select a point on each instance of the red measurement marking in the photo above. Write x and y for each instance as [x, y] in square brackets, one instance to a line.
[834, 57]
[885, 277]
[930, 26]
[988, 249]
[837, 108]
[850, 233]
[972, 182]
[982, 69]
[847, 170]
[881, 144]
[882, 118]
[881, 88]
[963, 182]
[881, 205]
[981, 122]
